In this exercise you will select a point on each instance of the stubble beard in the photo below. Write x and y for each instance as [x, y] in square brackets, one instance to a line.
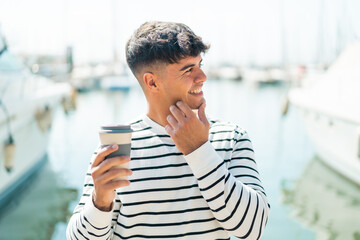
[197, 105]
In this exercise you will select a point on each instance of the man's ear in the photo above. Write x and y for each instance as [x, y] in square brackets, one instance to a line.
[150, 81]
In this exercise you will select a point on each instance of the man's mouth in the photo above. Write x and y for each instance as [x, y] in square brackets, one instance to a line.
[195, 91]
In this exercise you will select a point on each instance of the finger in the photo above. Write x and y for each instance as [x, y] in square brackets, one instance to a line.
[177, 113]
[117, 184]
[202, 115]
[172, 121]
[109, 163]
[113, 174]
[169, 130]
[100, 156]
[185, 109]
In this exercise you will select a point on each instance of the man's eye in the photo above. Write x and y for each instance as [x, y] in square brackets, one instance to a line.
[200, 65]
[190, 70]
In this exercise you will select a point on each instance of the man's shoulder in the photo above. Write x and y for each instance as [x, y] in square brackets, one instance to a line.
[220, 126]
[137, 124]
[142, 128]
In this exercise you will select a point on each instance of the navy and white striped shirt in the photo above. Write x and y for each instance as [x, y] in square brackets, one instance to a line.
[211, 193]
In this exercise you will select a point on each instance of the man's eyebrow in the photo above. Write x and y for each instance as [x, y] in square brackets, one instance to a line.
[188, 66]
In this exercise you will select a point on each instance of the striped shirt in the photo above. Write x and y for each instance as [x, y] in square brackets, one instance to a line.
[211, 193]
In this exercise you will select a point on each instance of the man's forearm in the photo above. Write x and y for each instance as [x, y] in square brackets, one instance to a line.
[87, 221]
[240, 209]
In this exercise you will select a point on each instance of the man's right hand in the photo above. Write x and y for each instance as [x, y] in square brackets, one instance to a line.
[103, 175]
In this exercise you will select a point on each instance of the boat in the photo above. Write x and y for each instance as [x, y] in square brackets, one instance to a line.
[329, 104]
[27, 102]
[117, 78]
[116, 83]
[266, 76]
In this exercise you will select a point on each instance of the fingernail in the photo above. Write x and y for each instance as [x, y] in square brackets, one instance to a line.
[114, 146]
[172, 107]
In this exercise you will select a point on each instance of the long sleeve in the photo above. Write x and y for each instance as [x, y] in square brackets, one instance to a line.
[88, 222]
[232, 187]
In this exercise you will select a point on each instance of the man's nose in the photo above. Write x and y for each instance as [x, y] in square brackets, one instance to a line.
[200, 76]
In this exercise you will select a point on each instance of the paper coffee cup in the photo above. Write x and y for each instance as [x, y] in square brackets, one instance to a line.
[120, 135]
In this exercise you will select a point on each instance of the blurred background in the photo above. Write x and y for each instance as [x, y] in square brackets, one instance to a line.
[286, 71]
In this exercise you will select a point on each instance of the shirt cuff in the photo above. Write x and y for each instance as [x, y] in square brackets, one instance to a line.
[203, 159]
[97, 217]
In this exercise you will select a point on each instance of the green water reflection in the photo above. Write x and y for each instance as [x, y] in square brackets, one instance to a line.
[324, 201]
[39, 207]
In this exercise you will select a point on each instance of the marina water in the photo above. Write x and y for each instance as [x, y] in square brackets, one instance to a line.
[308, 199]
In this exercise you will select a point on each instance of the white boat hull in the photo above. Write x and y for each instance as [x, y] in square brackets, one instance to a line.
[30, 139]
[26, 101]
[330, 104]
[31, 145]
[336, 141]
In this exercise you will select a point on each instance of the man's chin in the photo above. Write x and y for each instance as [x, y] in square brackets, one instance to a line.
[195, 106]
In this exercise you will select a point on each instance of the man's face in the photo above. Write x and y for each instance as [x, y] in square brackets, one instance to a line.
[182, 81]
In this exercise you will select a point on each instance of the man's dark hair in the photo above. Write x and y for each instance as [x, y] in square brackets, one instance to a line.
[164, 42]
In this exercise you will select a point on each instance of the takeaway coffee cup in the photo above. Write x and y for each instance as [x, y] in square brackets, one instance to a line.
[120, 135]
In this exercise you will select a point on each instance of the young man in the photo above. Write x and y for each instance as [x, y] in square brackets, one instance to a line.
[190, 178]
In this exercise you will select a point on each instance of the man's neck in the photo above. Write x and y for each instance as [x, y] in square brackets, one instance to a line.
[159, 116]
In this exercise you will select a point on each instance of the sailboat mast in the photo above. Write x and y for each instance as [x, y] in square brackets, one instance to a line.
[115, 55]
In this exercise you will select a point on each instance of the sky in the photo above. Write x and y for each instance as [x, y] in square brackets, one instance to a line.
[257, 32]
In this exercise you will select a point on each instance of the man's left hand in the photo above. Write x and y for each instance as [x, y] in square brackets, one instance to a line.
[187, 131]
